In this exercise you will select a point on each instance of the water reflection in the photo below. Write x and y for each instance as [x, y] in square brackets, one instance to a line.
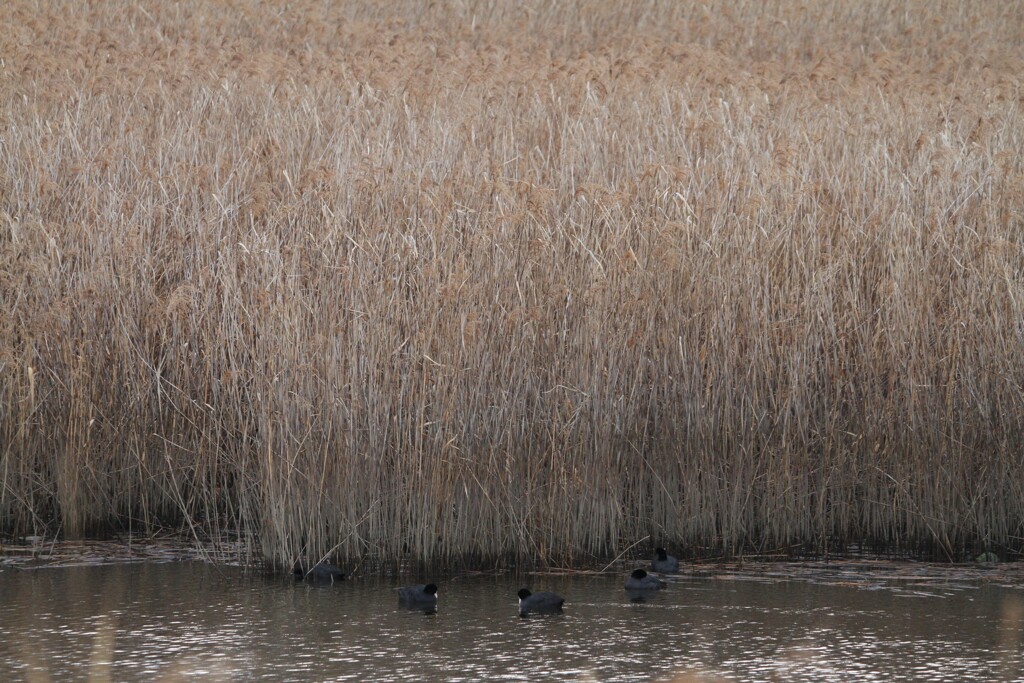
[188, 620]
[418, 608]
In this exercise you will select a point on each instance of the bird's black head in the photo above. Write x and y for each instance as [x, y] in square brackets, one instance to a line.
[638, 574]
[523, 594]
[662, 555]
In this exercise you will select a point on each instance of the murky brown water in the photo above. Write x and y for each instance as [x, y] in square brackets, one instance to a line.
[191, 620]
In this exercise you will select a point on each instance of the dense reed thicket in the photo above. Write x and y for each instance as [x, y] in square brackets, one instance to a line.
[480, 280]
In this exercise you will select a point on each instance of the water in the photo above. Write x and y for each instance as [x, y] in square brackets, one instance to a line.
[190, 620]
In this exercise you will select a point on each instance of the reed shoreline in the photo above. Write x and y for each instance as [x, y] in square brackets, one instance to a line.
[475, 281]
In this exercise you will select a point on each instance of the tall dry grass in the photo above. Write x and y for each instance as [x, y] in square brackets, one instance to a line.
[482, 280]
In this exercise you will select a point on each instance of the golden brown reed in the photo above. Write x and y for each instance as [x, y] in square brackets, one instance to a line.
[486, 280]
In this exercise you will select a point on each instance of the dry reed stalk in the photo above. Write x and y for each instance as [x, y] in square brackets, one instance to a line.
[480, 283]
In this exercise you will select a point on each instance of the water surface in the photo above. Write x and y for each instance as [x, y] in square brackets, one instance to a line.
[190, 620]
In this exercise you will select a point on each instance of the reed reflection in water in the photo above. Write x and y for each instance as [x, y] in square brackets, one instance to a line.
[179, 621]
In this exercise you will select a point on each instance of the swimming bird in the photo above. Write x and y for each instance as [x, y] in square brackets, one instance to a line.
[663, 562]
[323, 572]
[418, 595]
[539, 602]
[640, 580]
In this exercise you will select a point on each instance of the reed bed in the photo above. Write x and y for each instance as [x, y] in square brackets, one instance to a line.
[478, 282]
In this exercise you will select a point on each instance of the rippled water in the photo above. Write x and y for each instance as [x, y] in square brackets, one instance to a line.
[176, 621]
